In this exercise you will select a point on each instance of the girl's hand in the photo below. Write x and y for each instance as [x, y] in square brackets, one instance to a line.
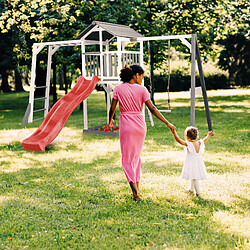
[210, 133]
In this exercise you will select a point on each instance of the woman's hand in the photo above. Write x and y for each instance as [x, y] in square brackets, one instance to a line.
[111, 123]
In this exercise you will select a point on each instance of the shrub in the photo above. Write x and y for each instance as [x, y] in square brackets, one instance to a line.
[181, 82]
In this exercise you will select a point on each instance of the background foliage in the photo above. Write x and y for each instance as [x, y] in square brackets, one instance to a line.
[23, 22]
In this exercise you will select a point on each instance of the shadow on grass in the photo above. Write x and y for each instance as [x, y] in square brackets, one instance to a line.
[14, 146]
[243, 203]
[211, 205]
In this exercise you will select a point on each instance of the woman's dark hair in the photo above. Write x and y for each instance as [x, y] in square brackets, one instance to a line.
[128, 72]
[137, 69]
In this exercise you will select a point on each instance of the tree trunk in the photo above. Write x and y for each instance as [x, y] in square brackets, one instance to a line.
[61, 79]
[65, 79]
[18, 81]
[5, 84]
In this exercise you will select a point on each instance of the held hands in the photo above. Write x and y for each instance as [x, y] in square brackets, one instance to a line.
[172, 127]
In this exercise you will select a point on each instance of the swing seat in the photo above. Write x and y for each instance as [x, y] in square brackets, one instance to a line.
[165, 110]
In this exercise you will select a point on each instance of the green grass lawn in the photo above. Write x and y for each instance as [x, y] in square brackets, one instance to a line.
[75, 194]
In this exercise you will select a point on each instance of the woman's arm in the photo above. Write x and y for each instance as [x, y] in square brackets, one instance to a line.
[112, 110]
[209, 134]
[158, 114]
[177, 138]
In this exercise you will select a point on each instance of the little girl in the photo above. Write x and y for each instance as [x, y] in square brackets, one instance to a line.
[193, 168]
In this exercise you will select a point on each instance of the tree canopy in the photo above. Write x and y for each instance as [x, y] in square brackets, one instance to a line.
[23, 22]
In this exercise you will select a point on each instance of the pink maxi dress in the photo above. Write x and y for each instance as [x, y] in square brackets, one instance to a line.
[132, 127]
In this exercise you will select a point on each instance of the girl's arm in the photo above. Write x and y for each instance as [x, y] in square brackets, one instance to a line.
[158, 114]
[112, 110]
[178, 139]
[209, 134]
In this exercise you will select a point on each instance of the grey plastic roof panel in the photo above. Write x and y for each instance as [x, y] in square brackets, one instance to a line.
[110, 30]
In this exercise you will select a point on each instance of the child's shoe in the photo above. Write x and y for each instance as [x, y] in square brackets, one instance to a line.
[199, 196]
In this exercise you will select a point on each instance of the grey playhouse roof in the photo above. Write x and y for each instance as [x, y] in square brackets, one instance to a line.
[110, 30]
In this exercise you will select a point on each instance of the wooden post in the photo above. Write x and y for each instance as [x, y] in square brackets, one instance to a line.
[107, 58]
[85, 110]
[101, 54]
[141, 64]
[83, 59]
[32, 83]
[46, 104]
[108, 101]
[192, 109]
[119, 55]
[203, 87]
[108, 74]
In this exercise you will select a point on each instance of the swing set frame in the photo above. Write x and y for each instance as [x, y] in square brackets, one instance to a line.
[109, 63]
[195, 55]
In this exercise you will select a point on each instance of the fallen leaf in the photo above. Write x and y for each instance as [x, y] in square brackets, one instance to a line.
[151, 243]
[190, 218]
[9, 238]
[74, 228]
[156, 223]
[110, 222]
[93, 239]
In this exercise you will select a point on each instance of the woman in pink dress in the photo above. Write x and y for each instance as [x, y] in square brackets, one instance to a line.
[131, 96]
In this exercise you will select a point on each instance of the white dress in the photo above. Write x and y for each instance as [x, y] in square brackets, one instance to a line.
[194, 167]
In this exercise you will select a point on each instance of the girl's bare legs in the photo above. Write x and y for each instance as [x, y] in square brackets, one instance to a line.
[197, 188]
[192, 186]
[191, 189]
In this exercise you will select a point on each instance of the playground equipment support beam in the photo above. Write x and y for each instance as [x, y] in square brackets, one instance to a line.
[192, 109]
[203, 87]
[36, 49]
[184, 41]
[85, 110]
[46, 104]
[153, 38]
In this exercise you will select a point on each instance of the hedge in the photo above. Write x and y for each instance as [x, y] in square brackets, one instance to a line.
[181, 82]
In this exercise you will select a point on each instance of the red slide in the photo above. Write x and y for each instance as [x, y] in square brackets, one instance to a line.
[59, 114]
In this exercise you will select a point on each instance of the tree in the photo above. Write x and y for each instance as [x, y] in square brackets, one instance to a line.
[46, 20]
[235, 58]
[147, 19]
[6, 60]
